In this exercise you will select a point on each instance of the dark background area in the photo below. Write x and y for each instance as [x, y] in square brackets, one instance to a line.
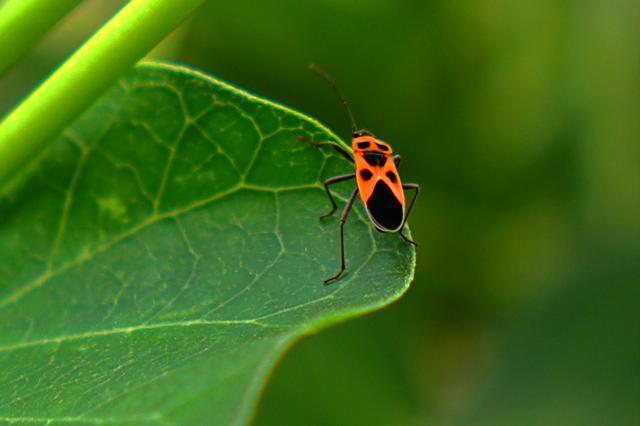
[521, 122]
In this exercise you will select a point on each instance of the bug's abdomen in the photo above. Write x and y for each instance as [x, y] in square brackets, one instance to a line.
[384, 208]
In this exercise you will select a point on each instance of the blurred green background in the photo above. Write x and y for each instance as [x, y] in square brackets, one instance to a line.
[521, 122]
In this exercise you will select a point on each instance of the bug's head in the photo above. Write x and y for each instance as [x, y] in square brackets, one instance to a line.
[361, 132]
[363, 140]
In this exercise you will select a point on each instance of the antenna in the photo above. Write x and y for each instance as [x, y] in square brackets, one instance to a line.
[332, 83]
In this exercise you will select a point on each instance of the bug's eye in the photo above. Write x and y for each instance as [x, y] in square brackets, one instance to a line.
[366, 174]
[392, 176]
[382, 148]
[363, 145]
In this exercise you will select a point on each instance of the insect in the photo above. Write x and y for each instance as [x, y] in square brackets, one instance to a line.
[377, 180]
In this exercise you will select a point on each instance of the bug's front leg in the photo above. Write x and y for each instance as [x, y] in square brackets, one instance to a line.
[397, 159]
[343, 219]
[416, 188]
[334, 145]
[331, 181]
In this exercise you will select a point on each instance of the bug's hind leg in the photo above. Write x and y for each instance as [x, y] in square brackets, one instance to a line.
[416, 188]
[343, 219]
[332, 144]
[407, 239]
[331, 181]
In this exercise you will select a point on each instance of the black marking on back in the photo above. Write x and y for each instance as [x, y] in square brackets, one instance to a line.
[382, 147]
[375, 158]
[363, 145]
[392, 176]
[384, 208]
[366, 174]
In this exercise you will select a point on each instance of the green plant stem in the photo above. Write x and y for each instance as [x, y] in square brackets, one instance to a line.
[117, 46]
[24, 22]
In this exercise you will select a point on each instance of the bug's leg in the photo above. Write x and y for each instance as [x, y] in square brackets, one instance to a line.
[343, 219]
[334, 145]
[404, 237]
[331, 181]
[397, 159]
[415, 187]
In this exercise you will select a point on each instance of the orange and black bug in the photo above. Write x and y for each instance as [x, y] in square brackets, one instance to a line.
[378, 182]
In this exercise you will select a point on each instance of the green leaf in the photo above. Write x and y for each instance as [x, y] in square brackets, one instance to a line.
[168, 251]
[32, 126]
